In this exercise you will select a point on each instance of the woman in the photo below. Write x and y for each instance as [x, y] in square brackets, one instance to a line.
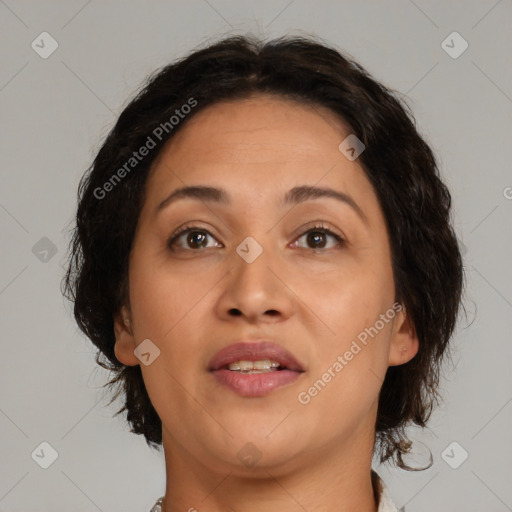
[264, 257]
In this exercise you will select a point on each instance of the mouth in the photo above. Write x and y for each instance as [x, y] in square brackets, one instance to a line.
[251, 367]
[254, 369]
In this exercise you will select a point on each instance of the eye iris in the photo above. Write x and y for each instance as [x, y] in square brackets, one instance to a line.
[315, 237]
[196, 238]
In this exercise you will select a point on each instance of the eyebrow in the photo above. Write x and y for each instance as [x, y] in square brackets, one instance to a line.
[294, 196]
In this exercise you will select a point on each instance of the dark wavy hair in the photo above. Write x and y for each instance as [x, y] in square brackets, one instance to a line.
[402, 168]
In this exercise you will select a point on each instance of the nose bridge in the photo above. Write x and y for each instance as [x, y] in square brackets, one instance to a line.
[253, 287]
[251, 263]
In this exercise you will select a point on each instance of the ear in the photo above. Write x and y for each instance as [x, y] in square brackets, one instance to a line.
[125, 341]
[404, 341]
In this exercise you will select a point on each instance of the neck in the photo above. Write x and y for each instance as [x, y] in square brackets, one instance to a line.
[336, 478]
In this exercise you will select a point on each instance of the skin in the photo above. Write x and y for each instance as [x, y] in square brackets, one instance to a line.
[312, 301]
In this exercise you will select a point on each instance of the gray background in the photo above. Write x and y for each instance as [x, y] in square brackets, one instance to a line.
[56, 111]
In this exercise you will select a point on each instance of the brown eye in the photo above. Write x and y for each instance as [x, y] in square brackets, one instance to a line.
[196, 238]
[317, 238]
[193, 237]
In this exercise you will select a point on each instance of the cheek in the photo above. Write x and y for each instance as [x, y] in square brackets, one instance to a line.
[349, 302]
[159, 298]
[165, 310]
[350, 356]
[347, 299]
[169, 308]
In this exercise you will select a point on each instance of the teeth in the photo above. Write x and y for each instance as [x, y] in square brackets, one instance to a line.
[245, 366]
[263, 366]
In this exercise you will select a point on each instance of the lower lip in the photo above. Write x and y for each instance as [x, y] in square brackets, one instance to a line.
[255, 384]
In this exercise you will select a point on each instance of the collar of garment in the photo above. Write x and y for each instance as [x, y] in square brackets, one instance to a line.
[379, 488]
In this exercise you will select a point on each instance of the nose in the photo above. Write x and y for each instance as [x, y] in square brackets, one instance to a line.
[258, 290]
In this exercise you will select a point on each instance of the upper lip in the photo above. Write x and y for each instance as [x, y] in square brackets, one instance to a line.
[254, 351]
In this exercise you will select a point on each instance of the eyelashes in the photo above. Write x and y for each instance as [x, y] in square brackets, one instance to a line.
[317, 230]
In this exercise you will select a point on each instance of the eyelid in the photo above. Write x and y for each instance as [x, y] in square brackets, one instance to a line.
[321, 226]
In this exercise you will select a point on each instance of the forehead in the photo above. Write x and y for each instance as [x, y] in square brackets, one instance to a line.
[256, 128]
[260, 146]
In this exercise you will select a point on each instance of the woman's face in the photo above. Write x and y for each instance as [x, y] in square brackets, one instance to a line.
[257, 266]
